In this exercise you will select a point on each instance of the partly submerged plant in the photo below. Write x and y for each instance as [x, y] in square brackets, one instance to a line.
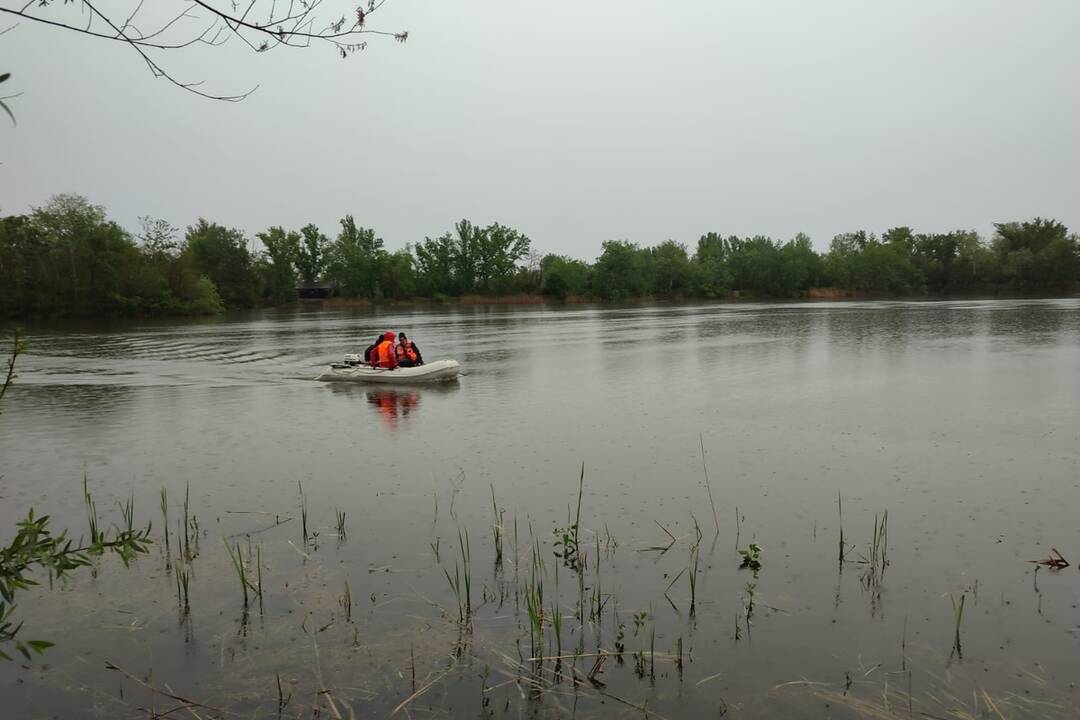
[751, 557]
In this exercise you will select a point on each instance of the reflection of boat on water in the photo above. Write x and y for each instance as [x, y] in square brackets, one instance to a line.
[354, 371]
[393, 405]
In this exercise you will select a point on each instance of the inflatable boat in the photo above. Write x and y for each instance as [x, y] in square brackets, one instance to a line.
[354, 369]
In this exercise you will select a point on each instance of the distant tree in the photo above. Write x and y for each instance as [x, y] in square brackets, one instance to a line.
[93, 257]
[713, 276]
[1037, 255]
[311, 253]
[397, 278]
[623, 271]
[279, 268]
[755, 265]
[354, 259]
[672, 272]
[801, 268]
[221, 254]
[564, 277]
[466, 254]
[436, 264]
[496, 251]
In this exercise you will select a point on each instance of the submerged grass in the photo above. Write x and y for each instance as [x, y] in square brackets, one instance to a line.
[560, 625]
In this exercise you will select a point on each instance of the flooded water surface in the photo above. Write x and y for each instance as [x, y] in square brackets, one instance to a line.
[468, 583]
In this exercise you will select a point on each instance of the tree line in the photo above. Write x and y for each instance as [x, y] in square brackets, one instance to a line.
[68, 258]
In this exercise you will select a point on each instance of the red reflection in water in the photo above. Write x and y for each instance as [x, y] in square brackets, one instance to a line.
[393, 405]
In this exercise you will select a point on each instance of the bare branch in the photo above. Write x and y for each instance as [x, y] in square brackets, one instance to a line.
[295, 26]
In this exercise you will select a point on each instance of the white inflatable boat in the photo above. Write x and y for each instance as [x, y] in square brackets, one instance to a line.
[354, 369]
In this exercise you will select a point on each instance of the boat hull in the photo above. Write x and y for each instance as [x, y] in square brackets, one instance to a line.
[437, 371]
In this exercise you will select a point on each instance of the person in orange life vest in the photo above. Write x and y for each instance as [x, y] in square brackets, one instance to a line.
[408, 355]
[383, 355]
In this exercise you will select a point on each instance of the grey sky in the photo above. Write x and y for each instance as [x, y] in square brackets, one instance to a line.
[576, 122]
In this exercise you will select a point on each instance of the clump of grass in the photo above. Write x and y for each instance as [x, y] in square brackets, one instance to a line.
[127, 512]
[877, 557]
[534, 602]
[705, 469]
[461, 582]
[569, 537]
[91, 513]
[840, 510]
[347, 601]
[188, 553]
[497, 530]
[183, 598]
[165, 523]
[237, 557]
[340, 515]
[695, 553]
[303, 511]
[958, 616]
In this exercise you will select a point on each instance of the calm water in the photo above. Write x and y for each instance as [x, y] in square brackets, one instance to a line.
[961, 419]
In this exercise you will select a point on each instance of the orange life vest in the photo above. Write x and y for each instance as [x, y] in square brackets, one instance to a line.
[405, 351]
[384, 354]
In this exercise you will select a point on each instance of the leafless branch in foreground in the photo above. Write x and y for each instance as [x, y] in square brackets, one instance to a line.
[262, 25]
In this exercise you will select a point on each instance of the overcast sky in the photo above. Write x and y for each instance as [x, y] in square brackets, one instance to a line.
[575, 122]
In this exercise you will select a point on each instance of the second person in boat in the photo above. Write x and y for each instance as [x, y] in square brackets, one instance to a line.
[406, 352]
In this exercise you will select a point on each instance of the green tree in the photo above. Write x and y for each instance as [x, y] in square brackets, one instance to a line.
[436, 261]
[496, 250]
[622, 271]
[354, 259]
[713, 276]
[397, 278]
[279, 269]
[755, 265]
[1037, 255]
[310, 257]
[89, 259]
[672, 271]
[801, 268]
[564, 277]
[221, 254]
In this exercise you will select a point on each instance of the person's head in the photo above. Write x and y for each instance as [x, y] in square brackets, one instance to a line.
[378, 338]
[389, 335]
[401, 338]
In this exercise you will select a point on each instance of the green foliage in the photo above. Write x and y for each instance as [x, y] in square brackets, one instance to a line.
[622, 271]
[562, 277]
[311, 253]
[222, 255]
[278, 266]
[68, 258]
[354, 260]
[1037, 255]
[751, 557]
[35, 548]
[672, 271]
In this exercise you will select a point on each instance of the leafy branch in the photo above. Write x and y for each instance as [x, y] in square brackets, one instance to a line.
[35, 547]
